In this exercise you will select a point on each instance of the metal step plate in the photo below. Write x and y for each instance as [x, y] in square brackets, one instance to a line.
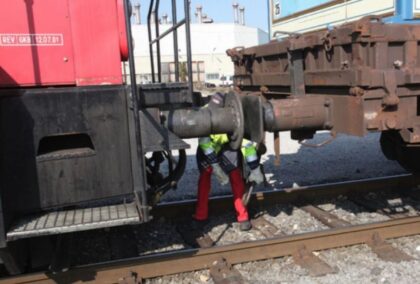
[59, 222]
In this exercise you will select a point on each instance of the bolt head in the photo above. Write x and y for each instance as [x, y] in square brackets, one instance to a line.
[398, 64]
[327, 103]
[391, 123]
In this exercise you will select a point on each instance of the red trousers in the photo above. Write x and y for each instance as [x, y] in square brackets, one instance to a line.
[204, 185]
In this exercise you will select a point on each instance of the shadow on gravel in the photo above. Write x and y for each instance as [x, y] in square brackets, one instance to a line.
[163, 235]
[346, 158]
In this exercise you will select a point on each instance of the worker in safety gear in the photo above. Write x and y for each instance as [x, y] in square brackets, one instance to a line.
[215, 156]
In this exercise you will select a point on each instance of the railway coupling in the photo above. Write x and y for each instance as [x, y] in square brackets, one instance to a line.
[249, 115]
[358, 78]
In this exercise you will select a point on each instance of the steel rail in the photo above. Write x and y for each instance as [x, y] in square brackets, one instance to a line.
[196, 259]
[304, 194]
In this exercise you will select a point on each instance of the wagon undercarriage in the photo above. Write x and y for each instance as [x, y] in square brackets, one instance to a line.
[354, 79]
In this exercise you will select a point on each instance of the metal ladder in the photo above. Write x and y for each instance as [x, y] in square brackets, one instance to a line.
[155, 40]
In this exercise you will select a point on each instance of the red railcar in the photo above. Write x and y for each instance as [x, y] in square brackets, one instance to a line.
[74, 136]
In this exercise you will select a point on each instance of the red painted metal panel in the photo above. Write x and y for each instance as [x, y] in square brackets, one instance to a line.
[122, 30]
[35, 43]
[61, 42]
[96, 41]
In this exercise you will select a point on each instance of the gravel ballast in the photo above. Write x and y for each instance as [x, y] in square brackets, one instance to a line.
[346, 158]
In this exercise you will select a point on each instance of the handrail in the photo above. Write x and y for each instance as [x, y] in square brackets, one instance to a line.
[188, 38]
[149, 30]
[154, 12]
[139, 189]
[158, 59]
[176, 55]
[167, 32]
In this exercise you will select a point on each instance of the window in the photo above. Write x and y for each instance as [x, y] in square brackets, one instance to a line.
[212, 76]
[277, 9]
[168, 75]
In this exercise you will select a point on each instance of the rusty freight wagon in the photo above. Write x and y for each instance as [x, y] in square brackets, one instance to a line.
[357, 78]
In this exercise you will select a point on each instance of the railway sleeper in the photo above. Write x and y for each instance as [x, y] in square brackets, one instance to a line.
[313, 264]
[378, 245]
[223, 272]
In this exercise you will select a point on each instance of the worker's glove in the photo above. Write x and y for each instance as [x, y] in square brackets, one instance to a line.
[256, 176]
[220, 174]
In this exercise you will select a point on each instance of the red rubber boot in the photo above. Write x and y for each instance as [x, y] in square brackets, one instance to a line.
[204, 184]
[238, 189]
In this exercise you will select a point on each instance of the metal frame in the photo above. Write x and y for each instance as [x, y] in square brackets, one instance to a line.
[404, 9]
[154, 12]
[404, 13]
[140, 192]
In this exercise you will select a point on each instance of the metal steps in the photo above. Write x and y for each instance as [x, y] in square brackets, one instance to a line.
[59, 222]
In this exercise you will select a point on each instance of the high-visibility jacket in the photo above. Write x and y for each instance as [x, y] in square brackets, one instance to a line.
[212, 145]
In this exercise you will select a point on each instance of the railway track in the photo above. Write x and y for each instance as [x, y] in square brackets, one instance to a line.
[219, 259]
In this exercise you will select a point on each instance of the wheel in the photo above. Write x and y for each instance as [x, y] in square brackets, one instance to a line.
[389, 141]
[409, 157]
[394, 148]
[15, 257]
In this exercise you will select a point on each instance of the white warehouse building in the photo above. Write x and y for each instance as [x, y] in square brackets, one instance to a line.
[209, 42]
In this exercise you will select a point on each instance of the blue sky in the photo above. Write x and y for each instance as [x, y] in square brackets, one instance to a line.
[220, 10]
